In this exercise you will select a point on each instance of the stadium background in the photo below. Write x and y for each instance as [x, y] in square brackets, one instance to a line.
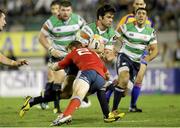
[25, 18]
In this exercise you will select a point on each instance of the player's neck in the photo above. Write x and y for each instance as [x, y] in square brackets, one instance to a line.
[141, 25]
[101, 26]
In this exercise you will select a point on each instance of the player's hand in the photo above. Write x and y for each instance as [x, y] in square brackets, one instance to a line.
[55, 53]
[54, 66]
[19, 63]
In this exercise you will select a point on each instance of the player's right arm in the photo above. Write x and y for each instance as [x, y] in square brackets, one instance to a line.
[43, 37]
[84, 35]
[120, 40]
[44, 40]
[121, 22]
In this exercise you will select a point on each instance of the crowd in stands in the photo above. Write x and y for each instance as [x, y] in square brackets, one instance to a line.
[164, 13]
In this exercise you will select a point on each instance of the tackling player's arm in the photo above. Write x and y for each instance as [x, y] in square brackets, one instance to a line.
[9, 62]
[61, 64]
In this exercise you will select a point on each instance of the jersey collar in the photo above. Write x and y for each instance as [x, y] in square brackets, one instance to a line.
[138, 28]
[99, 30]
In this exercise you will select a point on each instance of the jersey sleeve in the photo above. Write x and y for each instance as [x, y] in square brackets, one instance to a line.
[84, 35]
[66, 61]
[81, 21]
[47, 27]
[122, 30]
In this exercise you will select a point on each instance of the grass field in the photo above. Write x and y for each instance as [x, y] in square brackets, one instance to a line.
[158, 111]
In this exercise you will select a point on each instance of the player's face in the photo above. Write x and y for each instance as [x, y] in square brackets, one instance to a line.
[138, 4]
[2, 21]
[107, 19]
[55, 9]
[141, 17]
[109, 55]
[65, 12]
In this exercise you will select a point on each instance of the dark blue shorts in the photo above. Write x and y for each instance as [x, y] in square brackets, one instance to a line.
[123, 61]
[95, 80]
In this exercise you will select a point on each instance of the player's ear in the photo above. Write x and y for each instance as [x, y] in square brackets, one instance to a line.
[100, 17]
[144, 5]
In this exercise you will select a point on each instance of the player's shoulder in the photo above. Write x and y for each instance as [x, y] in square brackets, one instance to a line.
[111, 31]
[90, 26]
[149, 28]
[74, 15]
[53, 19]
[129, 25]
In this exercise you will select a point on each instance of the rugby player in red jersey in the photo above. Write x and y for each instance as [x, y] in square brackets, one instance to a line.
[90, 79]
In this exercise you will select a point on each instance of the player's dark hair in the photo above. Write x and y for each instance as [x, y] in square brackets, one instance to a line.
[76, 44]
[2, 12]
[65, 3]
[104, 9]
[55, 2]
[141, 9]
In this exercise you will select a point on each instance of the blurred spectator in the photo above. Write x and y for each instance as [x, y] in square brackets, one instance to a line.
[177, 51]
[166, 55]
[27, 8]
[42, 7]
[14, 7]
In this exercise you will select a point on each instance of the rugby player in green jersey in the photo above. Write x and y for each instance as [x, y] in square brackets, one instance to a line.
[101, 27]
[135, 37]
[56, 33]
[139, 78]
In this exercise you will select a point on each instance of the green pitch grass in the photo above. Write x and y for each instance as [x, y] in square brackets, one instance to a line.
[158, 111]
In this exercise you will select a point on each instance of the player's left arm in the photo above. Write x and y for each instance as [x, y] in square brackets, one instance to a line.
[81, 22]
[153, 52]
[119, 38]
[153, 48]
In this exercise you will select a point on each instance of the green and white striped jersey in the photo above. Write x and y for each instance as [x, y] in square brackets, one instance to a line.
[87, 32]
[61, 33]
[135, 40]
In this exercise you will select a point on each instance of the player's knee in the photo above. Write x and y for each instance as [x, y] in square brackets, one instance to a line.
[123, 79]
[139, 79]
[123, 82]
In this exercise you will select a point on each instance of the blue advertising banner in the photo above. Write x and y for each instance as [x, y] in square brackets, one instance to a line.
[162, 81]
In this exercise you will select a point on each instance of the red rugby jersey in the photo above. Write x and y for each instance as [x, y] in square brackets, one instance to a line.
[84, 59]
